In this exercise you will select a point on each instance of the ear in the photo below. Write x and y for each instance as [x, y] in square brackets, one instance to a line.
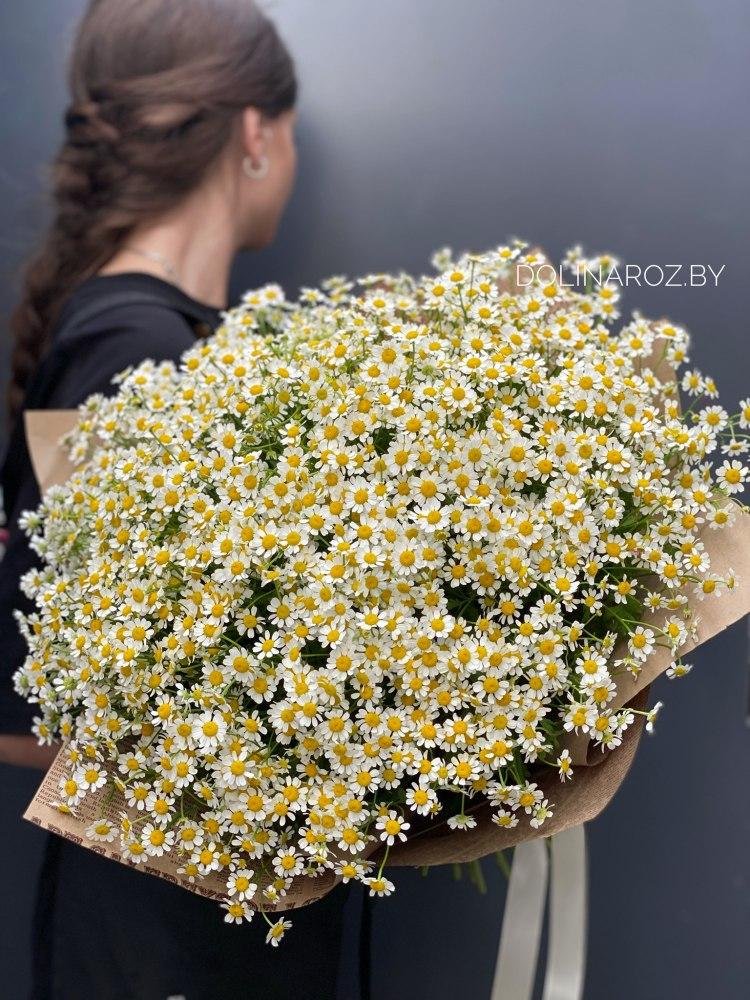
[253, 134]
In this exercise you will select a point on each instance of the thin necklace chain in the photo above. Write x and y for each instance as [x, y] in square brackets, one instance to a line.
[159, 259]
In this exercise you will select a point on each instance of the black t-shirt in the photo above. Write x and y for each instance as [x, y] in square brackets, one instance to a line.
[109, 323]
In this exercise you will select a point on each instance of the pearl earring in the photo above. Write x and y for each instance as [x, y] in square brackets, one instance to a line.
[255, 173]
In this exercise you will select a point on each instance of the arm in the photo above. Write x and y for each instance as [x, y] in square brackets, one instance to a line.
[24, 751]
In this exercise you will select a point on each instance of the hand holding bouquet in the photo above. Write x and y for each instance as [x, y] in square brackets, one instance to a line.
[366, 561]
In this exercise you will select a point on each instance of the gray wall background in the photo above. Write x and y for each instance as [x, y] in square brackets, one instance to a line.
[620, 125]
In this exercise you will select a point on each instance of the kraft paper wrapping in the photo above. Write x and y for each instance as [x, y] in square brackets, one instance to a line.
[597, 776]
[104, 804]
[44, 428]
[729, 550]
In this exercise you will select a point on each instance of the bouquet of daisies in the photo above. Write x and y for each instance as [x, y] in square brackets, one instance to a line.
[380, 562]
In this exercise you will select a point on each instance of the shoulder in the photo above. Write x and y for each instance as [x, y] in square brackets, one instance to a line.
[102, 337]
[125, 336]
[128, 308]
[134, 331]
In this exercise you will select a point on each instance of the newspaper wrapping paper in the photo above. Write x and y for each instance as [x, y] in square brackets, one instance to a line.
[597, 777]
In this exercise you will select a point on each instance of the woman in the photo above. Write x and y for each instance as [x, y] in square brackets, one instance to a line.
[179, 151]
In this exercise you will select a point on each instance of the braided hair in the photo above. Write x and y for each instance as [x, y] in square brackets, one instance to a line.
[155, 88]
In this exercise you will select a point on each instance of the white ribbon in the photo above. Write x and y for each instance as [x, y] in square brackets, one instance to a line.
[518, 953]
[522, 923]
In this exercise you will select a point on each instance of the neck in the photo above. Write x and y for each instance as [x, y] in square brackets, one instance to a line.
[197, 240]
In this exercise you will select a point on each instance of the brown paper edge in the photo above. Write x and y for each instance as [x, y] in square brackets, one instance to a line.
[728, 549]
[41, 812]
[574, 802]
[44, 428]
